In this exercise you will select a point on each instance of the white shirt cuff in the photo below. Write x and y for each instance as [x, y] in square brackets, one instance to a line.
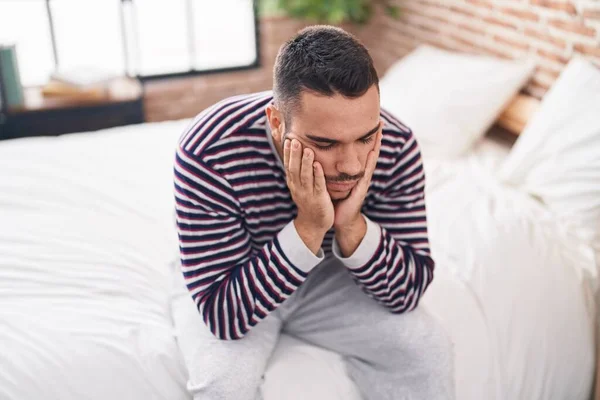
[296, 251]
[365, 250]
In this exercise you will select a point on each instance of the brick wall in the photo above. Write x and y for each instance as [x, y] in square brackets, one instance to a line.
[550, 31]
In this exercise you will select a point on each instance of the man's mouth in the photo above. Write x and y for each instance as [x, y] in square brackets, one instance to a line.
[341, 186]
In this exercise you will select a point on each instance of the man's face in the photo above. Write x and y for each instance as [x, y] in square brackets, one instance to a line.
[341, 132]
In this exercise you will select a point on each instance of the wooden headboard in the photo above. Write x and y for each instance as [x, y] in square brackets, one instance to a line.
[516, 115]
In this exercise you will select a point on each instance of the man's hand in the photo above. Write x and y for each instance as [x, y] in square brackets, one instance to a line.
[306, 181]
[347, 212]
[350, 226]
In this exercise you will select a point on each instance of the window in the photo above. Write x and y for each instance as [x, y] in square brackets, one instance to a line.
[25, 24]
[143, 38]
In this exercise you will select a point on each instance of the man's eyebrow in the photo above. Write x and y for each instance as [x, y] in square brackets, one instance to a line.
[332, 141]
[372, 131]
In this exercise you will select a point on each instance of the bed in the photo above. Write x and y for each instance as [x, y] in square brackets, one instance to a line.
[89, 300]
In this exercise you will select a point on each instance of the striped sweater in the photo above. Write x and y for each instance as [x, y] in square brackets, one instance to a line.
[241, 256]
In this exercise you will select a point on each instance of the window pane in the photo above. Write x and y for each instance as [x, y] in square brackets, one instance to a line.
[88, 33]
[223, 33]
[162, 36]
[25, 23]
[130, 39]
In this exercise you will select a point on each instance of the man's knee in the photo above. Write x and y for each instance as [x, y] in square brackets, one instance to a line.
[417, 338]
[234, 382]
[435, 343]
[421, 356]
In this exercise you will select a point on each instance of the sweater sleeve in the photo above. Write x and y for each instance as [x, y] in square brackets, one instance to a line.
[233, 285]
[393, 264]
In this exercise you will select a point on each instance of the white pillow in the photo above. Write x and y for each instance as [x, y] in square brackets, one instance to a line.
[557, 156]
[448, 99]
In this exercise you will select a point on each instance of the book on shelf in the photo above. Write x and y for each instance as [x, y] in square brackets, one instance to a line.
[56, 88]
[11, 89]
[84, 77]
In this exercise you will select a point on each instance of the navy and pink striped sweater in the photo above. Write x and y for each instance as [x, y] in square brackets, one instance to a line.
[241, 255]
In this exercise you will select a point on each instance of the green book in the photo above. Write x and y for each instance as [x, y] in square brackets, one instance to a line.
[10, 80]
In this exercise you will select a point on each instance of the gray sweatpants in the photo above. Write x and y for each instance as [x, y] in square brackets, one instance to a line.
[388, 356]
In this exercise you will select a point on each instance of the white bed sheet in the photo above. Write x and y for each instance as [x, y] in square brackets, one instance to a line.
[530, 283]
[88, 247]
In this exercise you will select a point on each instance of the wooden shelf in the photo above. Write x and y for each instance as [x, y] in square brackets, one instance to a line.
[118, 91]
[54, 115]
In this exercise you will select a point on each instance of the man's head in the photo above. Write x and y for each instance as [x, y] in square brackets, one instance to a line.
[326, 95]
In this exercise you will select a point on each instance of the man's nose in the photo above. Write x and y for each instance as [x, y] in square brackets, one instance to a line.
[349, 163]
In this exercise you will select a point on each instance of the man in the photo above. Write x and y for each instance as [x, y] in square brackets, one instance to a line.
[303, 210]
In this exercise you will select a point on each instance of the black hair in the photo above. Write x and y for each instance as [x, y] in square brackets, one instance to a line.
[325, 60]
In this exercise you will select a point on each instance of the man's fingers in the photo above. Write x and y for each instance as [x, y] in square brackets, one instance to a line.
[360, 190]
[363, 184]
[371, 164]
[320, 185]
[286, 153]
[306, 171]
[378, 139]
[374, 154]
[295, 161]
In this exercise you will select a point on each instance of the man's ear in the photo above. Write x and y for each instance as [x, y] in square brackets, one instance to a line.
[276, 122]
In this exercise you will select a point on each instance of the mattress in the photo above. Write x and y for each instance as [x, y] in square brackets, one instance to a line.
[88, 252]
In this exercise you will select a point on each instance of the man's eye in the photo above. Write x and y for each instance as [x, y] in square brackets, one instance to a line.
[367, 140]
[321, 147]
